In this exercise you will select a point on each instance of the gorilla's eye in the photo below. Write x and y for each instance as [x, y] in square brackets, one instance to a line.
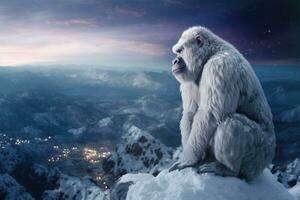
[199, 40]
[179, 50]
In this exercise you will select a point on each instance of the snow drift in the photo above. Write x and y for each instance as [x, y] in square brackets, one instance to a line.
[187, 184]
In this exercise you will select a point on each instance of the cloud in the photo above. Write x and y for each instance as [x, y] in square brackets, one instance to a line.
[66, 32]
[59, 45]
[126, 10]
[74, 22]
[135, 31]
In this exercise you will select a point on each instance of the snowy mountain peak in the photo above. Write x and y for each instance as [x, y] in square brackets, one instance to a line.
[138, 152]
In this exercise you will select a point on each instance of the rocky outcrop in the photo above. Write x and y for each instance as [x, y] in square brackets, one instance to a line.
[288, 175]
[138, 152]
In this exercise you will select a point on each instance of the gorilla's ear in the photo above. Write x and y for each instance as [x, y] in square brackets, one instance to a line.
[199, 40]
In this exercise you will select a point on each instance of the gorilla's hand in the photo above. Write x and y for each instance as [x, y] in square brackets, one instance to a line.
[179, 165]
[188, 159]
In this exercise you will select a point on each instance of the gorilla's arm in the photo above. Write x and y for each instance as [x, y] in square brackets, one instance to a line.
[219, 97]
[189, 109]
[186, 126]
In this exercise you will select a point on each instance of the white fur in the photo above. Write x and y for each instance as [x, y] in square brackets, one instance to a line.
[225, 111]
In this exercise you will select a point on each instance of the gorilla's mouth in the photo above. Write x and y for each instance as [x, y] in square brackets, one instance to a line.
[178, 65]
[178, 70]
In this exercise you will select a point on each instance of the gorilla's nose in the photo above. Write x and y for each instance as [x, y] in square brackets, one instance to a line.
[175, 61]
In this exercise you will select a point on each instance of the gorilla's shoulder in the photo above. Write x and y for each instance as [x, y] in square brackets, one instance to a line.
[224, 58]
[225, 63]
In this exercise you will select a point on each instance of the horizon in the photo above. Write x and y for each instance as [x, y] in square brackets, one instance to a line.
[128, 68]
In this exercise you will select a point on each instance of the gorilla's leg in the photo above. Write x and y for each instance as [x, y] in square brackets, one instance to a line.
[240, 148]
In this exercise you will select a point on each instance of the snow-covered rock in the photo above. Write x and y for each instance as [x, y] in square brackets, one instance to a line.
[77, 131]
[73, 188]
[289, 175]
[138, 152]
[102, 123]
[11, 190]
[187, 184]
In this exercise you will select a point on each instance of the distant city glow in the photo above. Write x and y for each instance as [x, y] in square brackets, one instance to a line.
[93, 157]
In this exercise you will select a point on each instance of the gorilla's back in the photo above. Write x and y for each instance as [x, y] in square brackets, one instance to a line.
[253, 102]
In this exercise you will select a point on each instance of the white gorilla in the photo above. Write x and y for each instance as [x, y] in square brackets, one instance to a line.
[226, 119]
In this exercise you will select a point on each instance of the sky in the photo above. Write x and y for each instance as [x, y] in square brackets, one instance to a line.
[141, 33]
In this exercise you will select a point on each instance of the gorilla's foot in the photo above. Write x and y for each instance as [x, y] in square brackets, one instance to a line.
[216, 168]
[180, 166]
[207, 168]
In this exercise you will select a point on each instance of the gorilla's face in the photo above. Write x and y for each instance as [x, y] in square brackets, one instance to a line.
[191, 51]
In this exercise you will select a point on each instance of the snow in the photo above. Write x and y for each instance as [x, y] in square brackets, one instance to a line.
[295, 191]
[104, 122]
[292, 115]
[187, 184]
[77, 131]
[289, 175]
